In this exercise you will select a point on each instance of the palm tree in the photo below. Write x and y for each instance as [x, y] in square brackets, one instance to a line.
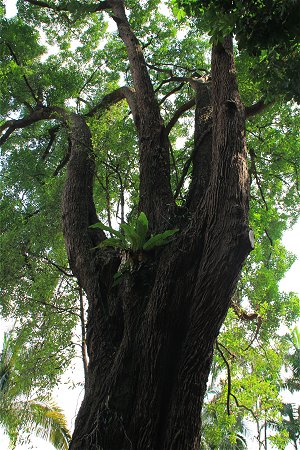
[20, 414]
[290, 412]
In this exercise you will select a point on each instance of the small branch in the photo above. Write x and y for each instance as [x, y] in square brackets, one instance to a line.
[242, 314]
[59, 268]
[254, 171]
[185, 68]
[180, 111]
[227, 350]
[83, 337]
[269, 237]
[57, 308]
[176, 89]
[108, 201]
[258, 326]
[174, 164]
[243, 406]
[36, 99]
[62, 163]
[89, 79]
[228, 378]
[52, 132]
[159, 69]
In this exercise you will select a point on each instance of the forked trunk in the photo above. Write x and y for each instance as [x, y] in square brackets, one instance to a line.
[150, 340]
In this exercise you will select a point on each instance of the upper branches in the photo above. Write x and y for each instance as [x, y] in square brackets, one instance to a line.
[72, 6]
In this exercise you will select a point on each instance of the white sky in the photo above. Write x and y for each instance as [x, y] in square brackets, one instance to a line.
[69, 399]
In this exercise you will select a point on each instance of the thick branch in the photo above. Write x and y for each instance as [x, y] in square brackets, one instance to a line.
[113, 98]
[202, 153]
[37, 115]
[256, 108]
[156, 198]
[141, 79]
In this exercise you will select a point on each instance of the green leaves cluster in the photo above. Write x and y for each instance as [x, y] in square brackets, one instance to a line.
[266, 30]
[135, 237]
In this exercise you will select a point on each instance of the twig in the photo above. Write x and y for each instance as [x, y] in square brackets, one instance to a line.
[228, 378]
[36, 99]
[83, 336]
[254, 171]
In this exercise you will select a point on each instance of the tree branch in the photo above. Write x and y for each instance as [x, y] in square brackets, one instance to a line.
[113, 98]
[36, 99]
[155, 193]
[228, 378]
[171, 92]
[242, 314]
[106, 4]
[180, 111]
[83, 337]
[62, 163]
[258, 326]
[188, 163]
[59, 268]
[37, 115]
[254, 171]
[256, 108]
[52, 133]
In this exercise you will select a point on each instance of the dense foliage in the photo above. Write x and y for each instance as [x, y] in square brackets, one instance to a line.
[68, 55]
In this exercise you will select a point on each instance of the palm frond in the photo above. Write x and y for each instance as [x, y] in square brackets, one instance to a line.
[43, 418]
[49, 423]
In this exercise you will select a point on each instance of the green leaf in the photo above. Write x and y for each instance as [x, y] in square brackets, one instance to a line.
[142, 228]
[159, 239]
[117, 278]
[112, 242]
[107, 228]
[131, 235]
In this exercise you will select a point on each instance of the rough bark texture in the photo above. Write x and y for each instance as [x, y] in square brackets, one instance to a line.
[150, 340]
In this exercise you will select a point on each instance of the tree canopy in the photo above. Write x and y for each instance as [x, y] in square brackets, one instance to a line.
[65, 59]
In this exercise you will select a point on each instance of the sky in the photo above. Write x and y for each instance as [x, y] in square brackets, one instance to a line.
[69, 399]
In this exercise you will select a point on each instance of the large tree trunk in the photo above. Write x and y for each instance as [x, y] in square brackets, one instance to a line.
[150, 340]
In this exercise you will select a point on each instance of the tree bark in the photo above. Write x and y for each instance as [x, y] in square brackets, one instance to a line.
[150, 340]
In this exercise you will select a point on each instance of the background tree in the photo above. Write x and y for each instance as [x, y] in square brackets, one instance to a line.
[75, 126]
[21, 414]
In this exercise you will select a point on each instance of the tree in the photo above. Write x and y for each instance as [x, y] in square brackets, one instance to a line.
[150, 337]
[20, 413]
[290, 411]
